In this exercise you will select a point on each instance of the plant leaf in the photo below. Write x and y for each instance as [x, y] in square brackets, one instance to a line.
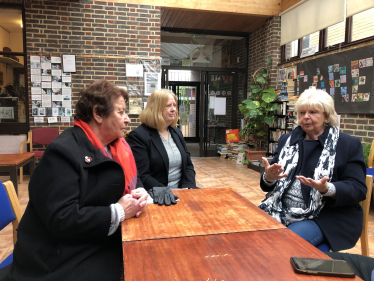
[255, 89]
[268, 90]
[269, 120]
[269, 97]
[268, 60]
[261, 133]
[261, 80]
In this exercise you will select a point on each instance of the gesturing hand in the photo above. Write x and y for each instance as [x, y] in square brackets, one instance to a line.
[320, 185]
[272, 172]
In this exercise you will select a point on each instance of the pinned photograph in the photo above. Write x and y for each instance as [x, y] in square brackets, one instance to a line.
[332, 92]
[345, 98]
[369, 61]
[54, 111]
[315, 79]
[34, 111]
[332, 83]
[337, 83]
[282, 74]
[36, 103]
[35, 65]
[41, 111]
[291, 72]
[135, 105]
[321, 78]
[362, 63]
[44, 59]
[305, 78]
[301, 73]
[314, 85]
[343, 79]
[354, 64]
[67, 111]
[56, 66]
[360, 97]
[46, 72]
[61, 111]
[354, 81]
[355, 73]
[331, 76]
[56, 103]
[330, 68]
[343, 70]
[46, 91]
[318, 71]
[362, 80]
[354, 97]
[354, 89]
[344, 90]
[322, 84]
[336, 67]
[48, 111]
[366, 96]
[66, 85]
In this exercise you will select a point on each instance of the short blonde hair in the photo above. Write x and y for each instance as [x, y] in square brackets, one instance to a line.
[320, 100]
[152, 113]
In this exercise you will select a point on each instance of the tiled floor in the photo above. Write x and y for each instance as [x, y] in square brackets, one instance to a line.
[210, 172]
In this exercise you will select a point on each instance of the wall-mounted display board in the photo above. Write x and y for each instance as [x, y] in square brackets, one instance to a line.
[346, 76]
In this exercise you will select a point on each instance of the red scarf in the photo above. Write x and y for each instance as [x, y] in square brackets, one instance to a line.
[121, 153]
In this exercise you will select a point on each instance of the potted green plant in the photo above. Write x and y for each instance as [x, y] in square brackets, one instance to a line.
[259, 108]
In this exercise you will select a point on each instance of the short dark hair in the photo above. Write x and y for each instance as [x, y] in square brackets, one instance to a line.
[102, 94]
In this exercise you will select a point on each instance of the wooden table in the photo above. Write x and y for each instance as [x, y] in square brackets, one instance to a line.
[211, 234]
[10, 163]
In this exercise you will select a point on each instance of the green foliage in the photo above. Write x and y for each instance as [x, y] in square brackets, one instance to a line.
[366, 150]
[258, 108]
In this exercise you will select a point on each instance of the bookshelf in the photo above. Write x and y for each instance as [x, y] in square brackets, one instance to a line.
[278, 128]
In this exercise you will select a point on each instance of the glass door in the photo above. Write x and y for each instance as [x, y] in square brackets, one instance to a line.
[188, 94]
[220, 109]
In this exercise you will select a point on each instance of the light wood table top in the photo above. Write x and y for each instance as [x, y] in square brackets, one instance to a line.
[254, 255]
[14, 159]
[199, 212]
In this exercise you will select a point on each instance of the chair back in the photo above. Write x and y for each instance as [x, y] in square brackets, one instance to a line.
[10, 209]
[366, 206]
[371, 155]
[44, 136]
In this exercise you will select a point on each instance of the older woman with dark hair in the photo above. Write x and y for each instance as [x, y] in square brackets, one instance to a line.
[160, 151]
[317, 177]
[83, 187]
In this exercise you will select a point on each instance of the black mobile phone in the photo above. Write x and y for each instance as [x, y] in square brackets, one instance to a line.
[337, 268]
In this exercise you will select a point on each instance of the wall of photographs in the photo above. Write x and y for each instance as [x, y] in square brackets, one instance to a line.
[347, 76]
[50, 87]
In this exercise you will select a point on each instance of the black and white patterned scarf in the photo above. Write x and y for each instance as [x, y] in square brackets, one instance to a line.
[288, 158]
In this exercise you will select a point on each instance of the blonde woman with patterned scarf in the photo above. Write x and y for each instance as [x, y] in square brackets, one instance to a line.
[317, 177]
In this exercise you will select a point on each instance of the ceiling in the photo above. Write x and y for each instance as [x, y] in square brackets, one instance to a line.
[206, 20]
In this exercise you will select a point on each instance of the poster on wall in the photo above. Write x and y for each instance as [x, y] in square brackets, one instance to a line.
[134, 70]
[152, 82]
[69, 63]
[135, 105]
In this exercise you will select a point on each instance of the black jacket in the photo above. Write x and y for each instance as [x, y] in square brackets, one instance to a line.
[152, 160]
[63, 234]
[341, 219]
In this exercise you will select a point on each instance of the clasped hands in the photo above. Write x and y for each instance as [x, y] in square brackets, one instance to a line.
[133, 204]
[274, 173]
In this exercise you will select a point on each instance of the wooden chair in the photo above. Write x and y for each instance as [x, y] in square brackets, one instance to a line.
[371, 155]
[366, 206]
[40, 136]
[9, 199]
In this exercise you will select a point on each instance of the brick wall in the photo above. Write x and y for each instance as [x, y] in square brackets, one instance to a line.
[264, 43]
[90, 29]
[359, 125]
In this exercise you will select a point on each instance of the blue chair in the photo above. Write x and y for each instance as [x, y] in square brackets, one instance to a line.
[10, 212]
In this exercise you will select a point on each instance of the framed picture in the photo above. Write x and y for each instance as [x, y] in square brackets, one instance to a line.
[152, 82]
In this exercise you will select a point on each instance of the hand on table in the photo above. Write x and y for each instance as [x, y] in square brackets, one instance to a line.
[273, 172]
[320, 185]
[141, 194]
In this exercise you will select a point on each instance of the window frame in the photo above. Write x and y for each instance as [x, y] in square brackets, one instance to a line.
[17, 127]
[322, 42]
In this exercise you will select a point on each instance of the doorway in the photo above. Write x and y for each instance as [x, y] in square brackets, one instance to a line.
[188, 96]
[220, 109]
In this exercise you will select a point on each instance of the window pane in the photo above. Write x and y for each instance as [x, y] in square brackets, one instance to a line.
[13, 92]
[363, 25]
[292, 49]
[335, 34]
[310, 40]
[11, 33]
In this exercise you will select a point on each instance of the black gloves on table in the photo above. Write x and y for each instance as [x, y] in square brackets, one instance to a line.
[163, 195]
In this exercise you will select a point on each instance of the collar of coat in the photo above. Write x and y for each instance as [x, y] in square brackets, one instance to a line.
[299, 134]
